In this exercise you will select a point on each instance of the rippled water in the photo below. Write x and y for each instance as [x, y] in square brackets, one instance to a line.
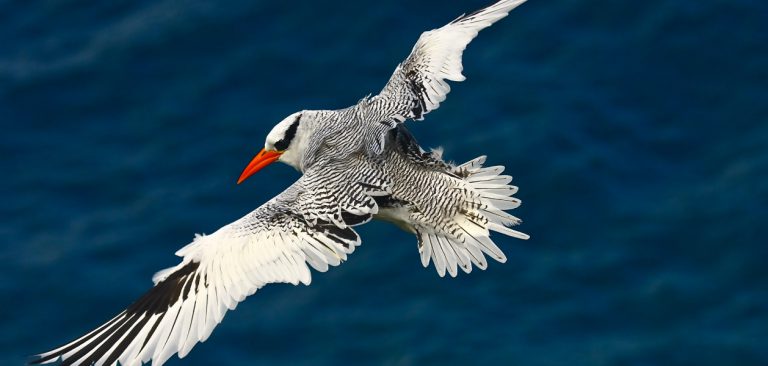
[637, 132]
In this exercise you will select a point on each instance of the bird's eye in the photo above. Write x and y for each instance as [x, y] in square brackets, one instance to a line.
[290, 133]
[282, 145]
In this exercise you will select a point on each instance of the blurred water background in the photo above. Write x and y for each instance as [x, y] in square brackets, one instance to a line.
[636, 130]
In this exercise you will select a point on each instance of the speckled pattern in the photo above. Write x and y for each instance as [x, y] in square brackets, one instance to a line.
[636, 132]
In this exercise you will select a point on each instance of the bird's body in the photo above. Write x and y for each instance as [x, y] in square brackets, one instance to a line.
[357, 163]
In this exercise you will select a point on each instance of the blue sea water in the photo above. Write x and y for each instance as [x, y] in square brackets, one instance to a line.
[637, 132]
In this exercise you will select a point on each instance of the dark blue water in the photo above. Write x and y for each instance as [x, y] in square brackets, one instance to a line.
[637, 132]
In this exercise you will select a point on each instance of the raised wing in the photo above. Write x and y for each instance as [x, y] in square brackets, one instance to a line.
[419, 84]
[310, 223]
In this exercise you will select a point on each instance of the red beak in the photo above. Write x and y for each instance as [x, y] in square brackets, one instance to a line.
[262, 159]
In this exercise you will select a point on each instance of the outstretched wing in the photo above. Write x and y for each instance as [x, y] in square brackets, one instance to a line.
[310, 223]
[419, 84]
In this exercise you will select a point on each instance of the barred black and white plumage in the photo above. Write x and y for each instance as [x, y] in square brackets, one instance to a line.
[358, 163]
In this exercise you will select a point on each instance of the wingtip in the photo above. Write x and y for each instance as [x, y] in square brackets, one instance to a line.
[40, 359]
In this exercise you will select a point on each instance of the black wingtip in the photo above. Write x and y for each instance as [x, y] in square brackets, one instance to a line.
[39, 359]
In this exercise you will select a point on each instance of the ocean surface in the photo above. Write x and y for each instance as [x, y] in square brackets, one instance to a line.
[637, 132]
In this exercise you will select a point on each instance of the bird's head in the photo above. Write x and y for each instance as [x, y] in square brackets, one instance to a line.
[285, 143]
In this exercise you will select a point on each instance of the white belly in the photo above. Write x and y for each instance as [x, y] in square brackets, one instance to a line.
[398, 216]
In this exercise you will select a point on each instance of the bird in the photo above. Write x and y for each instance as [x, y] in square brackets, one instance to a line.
[357, 163]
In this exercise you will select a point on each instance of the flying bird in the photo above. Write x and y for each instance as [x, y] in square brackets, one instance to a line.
[357, 163]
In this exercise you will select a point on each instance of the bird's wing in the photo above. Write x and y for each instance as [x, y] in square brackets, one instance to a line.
[309, 223]
[419, 84]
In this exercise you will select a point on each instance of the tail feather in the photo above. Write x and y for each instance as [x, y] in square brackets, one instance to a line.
[509, 232]
[451, 260]
[466, 239]
[501, 202]
[498, 190]
[477, 257]
[425, 250]
[438, 255]
[472, 165]
[464, 258]
[500, 217]
[490, 171]
[498, 179]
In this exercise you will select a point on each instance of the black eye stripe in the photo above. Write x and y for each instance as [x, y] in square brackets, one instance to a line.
[289, 135]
